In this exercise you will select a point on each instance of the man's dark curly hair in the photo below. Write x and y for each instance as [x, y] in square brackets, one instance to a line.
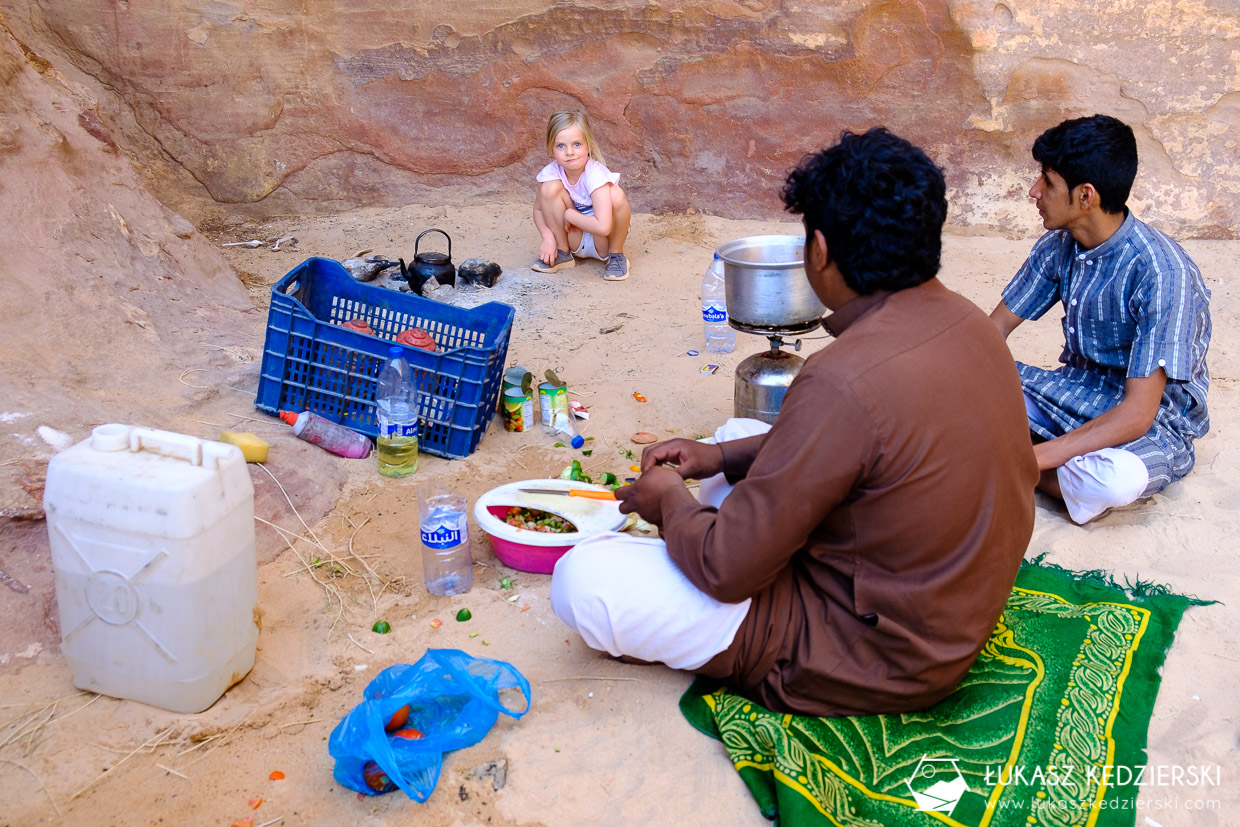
[879, 202]
[1100, 150]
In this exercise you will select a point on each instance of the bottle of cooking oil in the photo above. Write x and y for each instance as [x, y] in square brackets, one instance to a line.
[397, 441]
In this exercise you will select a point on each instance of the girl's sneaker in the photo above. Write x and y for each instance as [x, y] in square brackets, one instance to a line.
[563, 260]
[617, 268]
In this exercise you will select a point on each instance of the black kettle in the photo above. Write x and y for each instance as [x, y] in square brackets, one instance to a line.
[427, 265]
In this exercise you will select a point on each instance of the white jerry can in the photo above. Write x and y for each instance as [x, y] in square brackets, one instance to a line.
[152, 539]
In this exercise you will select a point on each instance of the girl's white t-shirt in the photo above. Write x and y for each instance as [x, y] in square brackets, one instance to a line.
[592, 177]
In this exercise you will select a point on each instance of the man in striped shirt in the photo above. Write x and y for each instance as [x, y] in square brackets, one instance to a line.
[1116, 421]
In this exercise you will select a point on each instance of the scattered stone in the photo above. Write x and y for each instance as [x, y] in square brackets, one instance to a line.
[365, 269]
[477, 271]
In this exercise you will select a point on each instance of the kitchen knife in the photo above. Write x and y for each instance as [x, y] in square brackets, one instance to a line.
[572, 492]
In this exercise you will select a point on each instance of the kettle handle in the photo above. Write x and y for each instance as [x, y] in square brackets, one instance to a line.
[418, 241]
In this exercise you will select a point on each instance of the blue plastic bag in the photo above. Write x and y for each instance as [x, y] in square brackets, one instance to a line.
[453, 701]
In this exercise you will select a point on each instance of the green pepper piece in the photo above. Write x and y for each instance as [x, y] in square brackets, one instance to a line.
[381, 627]
[464, 615]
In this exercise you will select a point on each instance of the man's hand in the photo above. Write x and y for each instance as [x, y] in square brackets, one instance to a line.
[695, 460]
[1129, 420]
[646, 495]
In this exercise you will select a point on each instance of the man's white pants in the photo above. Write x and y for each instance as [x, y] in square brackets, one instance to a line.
[1094, 482]
[625, 596]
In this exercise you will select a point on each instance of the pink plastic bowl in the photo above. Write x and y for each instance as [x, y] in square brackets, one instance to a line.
[534, 559]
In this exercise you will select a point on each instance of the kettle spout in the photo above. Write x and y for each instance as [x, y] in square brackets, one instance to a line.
[414, 281]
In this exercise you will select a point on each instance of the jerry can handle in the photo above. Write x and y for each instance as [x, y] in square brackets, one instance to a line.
[418, 241]
[185, 447]
[199, 452]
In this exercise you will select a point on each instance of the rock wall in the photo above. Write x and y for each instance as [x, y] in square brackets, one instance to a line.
[107, 297]
[274, 107]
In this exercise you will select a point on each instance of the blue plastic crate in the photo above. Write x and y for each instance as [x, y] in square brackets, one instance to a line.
[311, 363]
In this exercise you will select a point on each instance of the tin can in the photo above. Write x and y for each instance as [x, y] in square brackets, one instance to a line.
[553, 400]
[517, 377]
[518, 410]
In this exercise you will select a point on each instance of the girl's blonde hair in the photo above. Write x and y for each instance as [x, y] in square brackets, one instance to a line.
[563, 120]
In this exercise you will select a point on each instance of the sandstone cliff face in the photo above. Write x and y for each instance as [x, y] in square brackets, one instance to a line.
[106, 295]
[268, 107]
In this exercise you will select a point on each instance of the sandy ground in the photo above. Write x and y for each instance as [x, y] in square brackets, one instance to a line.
[604, 742]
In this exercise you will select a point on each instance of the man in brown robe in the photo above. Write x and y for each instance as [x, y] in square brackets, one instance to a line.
[869, 540]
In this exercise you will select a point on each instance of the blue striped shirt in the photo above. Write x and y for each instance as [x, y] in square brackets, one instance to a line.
[1133, 304]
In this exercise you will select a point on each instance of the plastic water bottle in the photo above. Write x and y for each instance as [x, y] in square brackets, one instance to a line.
[328, 435]
[720, 337]
[447, 565]
[563, 428]
[397, 442]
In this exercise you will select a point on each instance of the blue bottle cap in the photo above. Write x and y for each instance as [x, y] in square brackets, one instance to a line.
[578, 441]
[395, 351]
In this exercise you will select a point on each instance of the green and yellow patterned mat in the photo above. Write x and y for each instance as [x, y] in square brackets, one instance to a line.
[1047, 728]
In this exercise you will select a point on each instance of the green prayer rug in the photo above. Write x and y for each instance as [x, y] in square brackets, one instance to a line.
[1048, 727]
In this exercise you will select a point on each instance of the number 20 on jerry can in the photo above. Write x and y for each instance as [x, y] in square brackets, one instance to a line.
[152, 541]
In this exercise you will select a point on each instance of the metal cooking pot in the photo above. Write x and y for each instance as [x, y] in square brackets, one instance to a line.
[766, 285]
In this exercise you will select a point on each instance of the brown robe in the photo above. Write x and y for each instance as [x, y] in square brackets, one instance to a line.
[879, 525]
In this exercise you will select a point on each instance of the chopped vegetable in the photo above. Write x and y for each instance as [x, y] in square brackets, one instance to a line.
[638, 397]
[276, 775]
[409, 734]
[381, 627]
[255, 803]
[587, 452]
[574, 472]
[436, 623]
[505, 582]
[531, 519]
[473, 634]
[463, 615]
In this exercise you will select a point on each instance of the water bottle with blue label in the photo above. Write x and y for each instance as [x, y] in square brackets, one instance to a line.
[447, 564]
[720, 337]
[396, 440]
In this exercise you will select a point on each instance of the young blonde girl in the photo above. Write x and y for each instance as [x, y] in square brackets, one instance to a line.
[579, 208]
